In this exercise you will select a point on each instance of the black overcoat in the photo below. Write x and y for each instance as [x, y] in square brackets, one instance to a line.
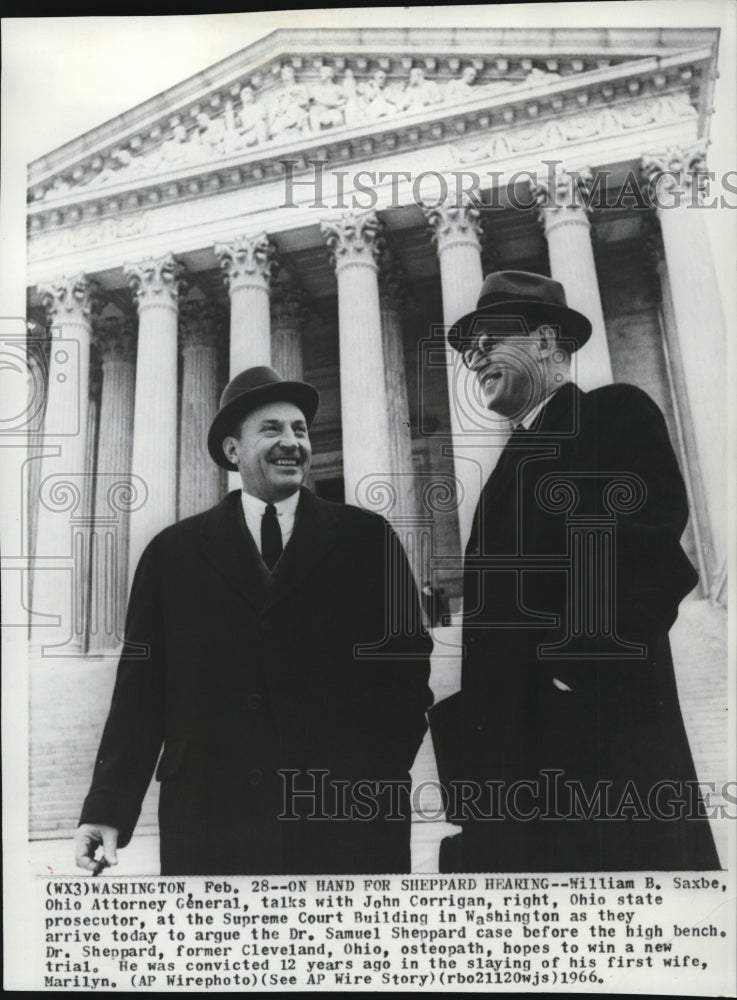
[590, 497]
[251, 681]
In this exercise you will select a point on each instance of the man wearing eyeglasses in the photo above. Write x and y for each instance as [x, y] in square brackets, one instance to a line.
[565, 749]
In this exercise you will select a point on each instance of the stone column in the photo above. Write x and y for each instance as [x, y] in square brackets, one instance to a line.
[37, 345]
[70, 303]
[457, 236]
[247, 265]
[367, 453]
[155, 284]
[675, 184]
[91, 484]
[411, 523]
[392, 299]
[565, 217]
[289, 316]
[202, 325]
[116, 344]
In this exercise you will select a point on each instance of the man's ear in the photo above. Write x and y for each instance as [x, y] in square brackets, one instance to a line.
[230, 449]
[547, 337]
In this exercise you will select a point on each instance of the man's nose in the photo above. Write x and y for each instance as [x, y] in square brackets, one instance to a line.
[288, 440]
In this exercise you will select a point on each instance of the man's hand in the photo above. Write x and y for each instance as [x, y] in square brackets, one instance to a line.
[88, 837]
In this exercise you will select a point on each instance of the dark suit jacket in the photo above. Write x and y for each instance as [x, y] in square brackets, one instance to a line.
[552, 523]
[245, 676]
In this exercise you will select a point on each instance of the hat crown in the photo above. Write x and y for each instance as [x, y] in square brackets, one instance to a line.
[520, 286]
[522, 295]
[248, 380]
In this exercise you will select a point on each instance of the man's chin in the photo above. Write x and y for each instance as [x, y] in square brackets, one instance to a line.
[287, 480]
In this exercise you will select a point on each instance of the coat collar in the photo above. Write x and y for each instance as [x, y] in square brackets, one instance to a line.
[230, 549]
[560, 416]
[313, 537]
[557, 421]
[235, 557]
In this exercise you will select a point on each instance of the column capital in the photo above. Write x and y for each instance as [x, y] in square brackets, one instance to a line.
[288, 304]
[247, 261]
[676, 176]
[115, 338]
[454, 223]
[156, 281]
[74, 299]
[201, 324]
[392, 282]
[353, 239]
[563, 197]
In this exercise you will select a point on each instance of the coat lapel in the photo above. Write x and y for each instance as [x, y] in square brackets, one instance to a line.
[231, 550]
[559, 418]
[313, 537]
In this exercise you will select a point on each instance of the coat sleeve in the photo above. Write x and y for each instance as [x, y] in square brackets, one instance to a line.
[134, 730]
[653, 572]
[625, 440]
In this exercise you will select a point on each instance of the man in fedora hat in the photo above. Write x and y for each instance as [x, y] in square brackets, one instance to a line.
[565, 749]
[261, 653]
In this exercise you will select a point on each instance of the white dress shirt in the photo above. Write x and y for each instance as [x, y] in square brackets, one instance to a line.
[254, 509]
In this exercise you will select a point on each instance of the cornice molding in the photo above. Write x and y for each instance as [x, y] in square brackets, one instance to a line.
[564, 104]
[496, 54]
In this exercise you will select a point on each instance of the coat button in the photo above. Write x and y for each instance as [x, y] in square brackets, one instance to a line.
[255, 776]
[471, 640]
[480, 726]
[255, 701]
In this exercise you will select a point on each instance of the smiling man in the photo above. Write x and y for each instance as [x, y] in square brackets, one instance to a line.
[275, 647]
[565, 749]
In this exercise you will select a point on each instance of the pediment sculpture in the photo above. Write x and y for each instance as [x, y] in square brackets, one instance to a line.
[292, 109]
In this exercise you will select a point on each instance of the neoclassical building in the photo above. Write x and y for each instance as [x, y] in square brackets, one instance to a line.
[327, 203]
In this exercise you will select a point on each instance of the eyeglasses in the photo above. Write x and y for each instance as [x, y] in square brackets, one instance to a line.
[488, 334]
[479, 349]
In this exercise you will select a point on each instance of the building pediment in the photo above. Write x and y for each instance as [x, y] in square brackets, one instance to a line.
[347, 95]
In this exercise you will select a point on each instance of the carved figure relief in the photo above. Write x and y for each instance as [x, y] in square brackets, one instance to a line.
[290, 108]
[328, 101]
[252, 121]
[378, 99]
[293, 108]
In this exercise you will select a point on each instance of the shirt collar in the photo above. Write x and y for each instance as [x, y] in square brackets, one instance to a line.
[283, 507]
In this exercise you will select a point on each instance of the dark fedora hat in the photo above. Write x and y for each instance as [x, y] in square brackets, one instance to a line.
[249, 389]
[522, 296]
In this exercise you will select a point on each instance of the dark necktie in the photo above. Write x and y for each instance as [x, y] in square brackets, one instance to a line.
[271, 542]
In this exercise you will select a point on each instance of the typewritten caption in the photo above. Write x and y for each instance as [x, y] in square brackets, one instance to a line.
[382, 932]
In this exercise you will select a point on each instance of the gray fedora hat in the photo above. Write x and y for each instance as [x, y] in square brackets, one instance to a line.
[249, 389]
[530, 299]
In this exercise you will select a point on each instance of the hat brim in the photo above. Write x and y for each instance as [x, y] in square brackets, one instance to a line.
[302, 394]
[574, 326]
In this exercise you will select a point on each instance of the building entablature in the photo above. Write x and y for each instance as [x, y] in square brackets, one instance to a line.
[362, 93]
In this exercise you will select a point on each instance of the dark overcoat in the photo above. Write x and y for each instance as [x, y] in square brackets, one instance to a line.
[573, 577]
[259, 687]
